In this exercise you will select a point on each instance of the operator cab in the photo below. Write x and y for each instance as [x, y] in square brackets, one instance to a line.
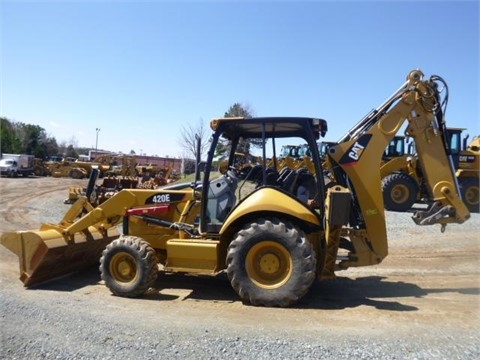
[260, 141]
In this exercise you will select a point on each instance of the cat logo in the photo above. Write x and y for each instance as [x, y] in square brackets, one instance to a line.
[352, 155]
[356, 151]
[466, 158]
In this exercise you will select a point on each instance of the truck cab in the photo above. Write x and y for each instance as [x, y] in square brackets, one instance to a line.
[8, 167]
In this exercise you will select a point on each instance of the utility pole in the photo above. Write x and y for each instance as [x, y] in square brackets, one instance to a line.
[96, 142]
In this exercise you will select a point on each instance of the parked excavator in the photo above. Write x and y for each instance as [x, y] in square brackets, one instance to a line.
[273, 236]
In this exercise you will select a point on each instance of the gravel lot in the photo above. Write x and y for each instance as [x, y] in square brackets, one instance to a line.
[422, 302]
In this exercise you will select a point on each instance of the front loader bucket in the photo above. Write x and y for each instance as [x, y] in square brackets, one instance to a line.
[46, 254]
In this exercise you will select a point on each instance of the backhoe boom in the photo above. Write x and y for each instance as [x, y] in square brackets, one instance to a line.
[357, 165]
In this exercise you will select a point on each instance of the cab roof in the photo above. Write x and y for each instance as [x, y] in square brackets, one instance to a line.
[277, 127]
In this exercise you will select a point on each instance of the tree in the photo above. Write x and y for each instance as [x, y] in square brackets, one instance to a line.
[236, 110]
[47, 147]
[20, 138]
[9, 140]
[31, 135]
[70, 152]
[187, 139]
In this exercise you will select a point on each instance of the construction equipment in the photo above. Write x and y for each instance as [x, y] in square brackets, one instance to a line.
[290, 151]
[39, 168]
[120, 175]
[466, 159]
[273, 238]
[109, 187]
[74, 168]
[403, 183]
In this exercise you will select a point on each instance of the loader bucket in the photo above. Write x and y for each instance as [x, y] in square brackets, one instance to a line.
[47, 254]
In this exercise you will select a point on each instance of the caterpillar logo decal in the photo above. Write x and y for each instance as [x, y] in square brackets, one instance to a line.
[355, 152]
[164, 198]
[466, 158]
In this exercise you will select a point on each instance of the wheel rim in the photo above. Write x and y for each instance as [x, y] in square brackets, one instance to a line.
[269, 264]
[123, 268]
[472, 195]
[399, 194]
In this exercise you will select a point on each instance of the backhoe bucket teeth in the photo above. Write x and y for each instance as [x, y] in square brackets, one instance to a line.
[47, 254]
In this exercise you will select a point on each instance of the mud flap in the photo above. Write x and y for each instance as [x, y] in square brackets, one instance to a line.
[47, 254]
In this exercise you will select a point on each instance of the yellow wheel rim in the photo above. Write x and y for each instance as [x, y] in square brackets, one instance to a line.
[123, 267]
[400, 194]
[269, 264]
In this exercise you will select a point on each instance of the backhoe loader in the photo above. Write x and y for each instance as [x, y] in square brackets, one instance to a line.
[273, 235]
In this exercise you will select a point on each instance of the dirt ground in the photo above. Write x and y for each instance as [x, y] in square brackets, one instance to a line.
[429, 282]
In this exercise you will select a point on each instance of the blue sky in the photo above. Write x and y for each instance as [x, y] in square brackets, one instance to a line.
[139, 70]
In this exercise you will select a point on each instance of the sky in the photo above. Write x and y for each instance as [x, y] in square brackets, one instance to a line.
[141, 70]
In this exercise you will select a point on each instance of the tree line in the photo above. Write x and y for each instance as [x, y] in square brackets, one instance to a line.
[21, 138]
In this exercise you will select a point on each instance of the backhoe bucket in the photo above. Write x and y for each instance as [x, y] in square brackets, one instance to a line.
[46, 254]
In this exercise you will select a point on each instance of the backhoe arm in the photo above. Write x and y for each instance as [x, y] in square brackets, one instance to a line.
[357, 160]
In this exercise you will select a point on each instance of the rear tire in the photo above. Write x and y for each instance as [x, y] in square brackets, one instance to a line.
[271, 263]
[129, 266]
[399, 192]
[469, 189]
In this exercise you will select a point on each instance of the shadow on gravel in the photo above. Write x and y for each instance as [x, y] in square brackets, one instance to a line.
[326, 295]
[200, 287]
[71, 282]
[372, 291]
[344, 293]
[341, 293]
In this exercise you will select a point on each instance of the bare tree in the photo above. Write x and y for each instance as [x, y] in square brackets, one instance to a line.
[187, 138]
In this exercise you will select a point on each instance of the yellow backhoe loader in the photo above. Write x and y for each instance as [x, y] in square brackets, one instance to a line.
[272, 236]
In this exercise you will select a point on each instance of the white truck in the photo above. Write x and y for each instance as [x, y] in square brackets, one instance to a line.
[13, 165]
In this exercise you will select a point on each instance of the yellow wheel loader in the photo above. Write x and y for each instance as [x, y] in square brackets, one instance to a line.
[274, 234]
[467, 163]
[403, 182]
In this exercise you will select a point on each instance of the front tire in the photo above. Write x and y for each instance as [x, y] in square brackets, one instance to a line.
[399, 192]
[270, 263]
[128, 266]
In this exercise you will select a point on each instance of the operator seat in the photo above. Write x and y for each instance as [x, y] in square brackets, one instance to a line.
[304, 187]
[287, 180]
[221, 197]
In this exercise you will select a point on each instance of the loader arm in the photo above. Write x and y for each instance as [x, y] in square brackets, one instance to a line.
[113, 208]
[72, 245]
[357, 161]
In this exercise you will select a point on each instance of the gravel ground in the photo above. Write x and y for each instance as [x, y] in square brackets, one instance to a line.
[422, 302]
